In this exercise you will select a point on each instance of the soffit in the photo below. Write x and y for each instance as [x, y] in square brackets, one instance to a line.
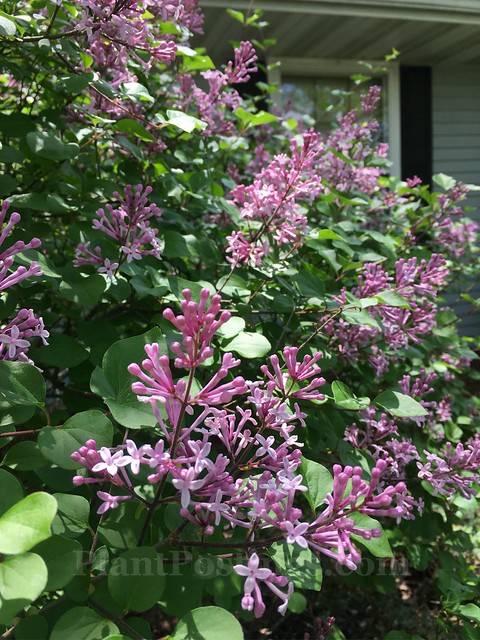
[326, 35]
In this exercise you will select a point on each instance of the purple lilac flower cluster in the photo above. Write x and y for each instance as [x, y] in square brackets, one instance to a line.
[16, 334]
[351, 162]
[453, 233]
[129, 226]
[210, 105]
[117, 29]
[119, 32]
[445, 472]
[417, 282]
[458, 468]
[270, 207]
[238, 465]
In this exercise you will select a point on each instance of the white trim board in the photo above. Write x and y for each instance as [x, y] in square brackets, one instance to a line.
[429, 11]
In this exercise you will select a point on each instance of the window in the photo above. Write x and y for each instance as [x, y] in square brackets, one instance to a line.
[323, 89]
[324, 99]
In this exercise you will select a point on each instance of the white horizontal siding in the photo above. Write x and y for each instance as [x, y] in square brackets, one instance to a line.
[456, 147]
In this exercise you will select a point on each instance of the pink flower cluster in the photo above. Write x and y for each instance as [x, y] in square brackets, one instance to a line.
[122, 32]
[129, 226]
[458, 468]
[270, 208]
[233, 464]
[16, 334]
[417, 282]
[116, 29]
[351, 162]
[210, 106]
[447, 472]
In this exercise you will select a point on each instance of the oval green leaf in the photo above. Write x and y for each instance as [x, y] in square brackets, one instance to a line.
[58, 443]
[27, 523]
[208, 623]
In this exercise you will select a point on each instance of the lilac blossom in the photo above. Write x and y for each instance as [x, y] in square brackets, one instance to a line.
[129, 226]
[252, 599]
[234, 465]
[15, 336]
[109, 501]
[271, 205]
[417, 282]
[210, 106]
[7, 253]
[457, 468]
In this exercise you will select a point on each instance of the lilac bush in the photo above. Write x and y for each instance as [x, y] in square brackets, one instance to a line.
[249, 364]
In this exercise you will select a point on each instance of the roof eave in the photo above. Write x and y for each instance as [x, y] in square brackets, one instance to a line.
[423, 10]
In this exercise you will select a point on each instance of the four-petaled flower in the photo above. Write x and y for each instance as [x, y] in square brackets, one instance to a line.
[111, 463]
[109, 501]
[186, 483]
[295, 534]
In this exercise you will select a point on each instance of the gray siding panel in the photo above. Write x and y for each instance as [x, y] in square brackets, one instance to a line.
[456, 147]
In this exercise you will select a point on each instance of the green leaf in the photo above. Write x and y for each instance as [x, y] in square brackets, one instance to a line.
[72, 515]
[138, 92]
[62, 351]
[309, 284]
[24, 456]
[392, 299]
[33, 627]
[248, 345]
[50, 147]
[379, 547]
[208, 623]
[121, 528]
[7, 26]
[254, 119]
[22, 579]
[58, 443]
[177, 245]
[178, 284]
[134, 128]
[346, 399]
[63, 558]
[328, 234]
[27, 523]
[329, 255]
[444, 181]
[231, 328]
[318, 480]
[297, 603]
[301, 566]
[125, 407]
[81, 623]
[27, 257]
[45, 202]
[136, 579]
[183, 121]
[236, 15]
[22, 388]
[354, 316]
[11, 491]
[76, 82]
[419, 554]
[196, 63]
[471, 611]
[7, 184]
[400, 405]
[85, 291]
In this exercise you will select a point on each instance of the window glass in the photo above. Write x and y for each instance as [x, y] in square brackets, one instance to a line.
[323, 99]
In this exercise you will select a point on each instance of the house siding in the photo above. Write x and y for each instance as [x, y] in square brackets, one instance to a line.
[456, 148]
